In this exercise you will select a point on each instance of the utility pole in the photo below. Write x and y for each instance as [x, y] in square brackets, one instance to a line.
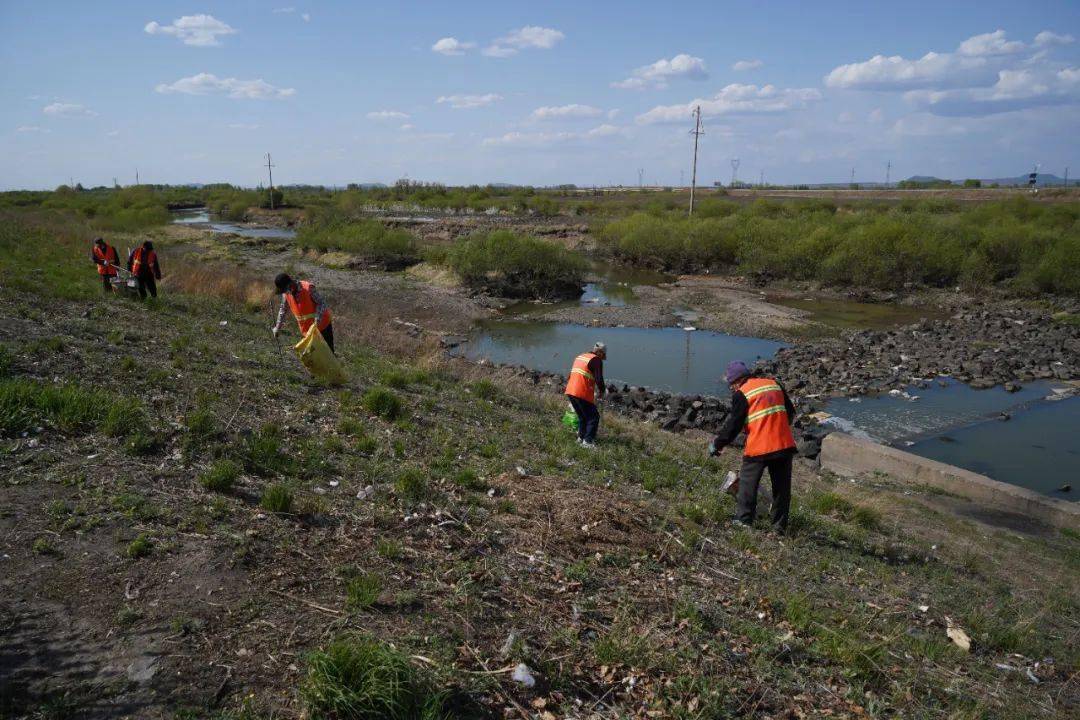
[640, 178]
[761, 179]
[1066, 176]
[734, 171]
[852, 176]
[888, 171]
[697, 132]
[136, 176]
[270, 169]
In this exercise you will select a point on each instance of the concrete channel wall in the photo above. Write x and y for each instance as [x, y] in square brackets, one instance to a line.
[847, 455]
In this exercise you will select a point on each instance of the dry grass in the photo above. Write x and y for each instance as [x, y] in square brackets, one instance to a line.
[220, 280]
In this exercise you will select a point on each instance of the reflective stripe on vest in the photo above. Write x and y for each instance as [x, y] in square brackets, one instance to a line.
[767, 424]
[581, 383]
[303, 308]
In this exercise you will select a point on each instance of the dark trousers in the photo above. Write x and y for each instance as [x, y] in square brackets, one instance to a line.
[106, 282]
[328, 336]
[779, 467]
[588, 418]
[146, 284]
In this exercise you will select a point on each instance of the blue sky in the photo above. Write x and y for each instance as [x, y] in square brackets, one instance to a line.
[539, 93]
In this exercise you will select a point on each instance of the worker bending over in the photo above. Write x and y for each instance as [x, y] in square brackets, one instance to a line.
[761, 406]
[104, 256]
[143, 264]
[307, 307]
[585, 386]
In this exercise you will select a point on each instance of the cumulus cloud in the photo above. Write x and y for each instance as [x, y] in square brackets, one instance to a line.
[467, 102]
[62, 109]
[543, 139]
[387, 115]
[989, 44]
[197, 30]
[530, 36]
[452, 46]
[743, 65]
[1046, 38]
[660, 72]
[733, 100]
[209, 84]
[562, 112]
[1018, 89]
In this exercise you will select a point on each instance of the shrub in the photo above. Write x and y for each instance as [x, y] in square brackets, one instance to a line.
[124, 418]
[371, 240]
[517, 266]
[469, 480]
[411, 486]
[221, 477]
[277, 499]
[382, 402]
[485, 389]
[139, 547]
[360, 678]
[363, 591]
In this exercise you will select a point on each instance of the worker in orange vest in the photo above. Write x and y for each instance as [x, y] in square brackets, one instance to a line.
[143, 264]
[104, 256]
[761, 407]
[307, 307]
[584, 387]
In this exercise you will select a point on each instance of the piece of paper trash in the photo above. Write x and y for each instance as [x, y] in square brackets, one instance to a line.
[957, 635]
[523, 675]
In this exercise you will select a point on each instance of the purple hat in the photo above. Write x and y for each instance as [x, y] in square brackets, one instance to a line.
[736, 369]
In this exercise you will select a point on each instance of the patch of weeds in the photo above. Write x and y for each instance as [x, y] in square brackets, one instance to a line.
[139, 547]
[366, 445]
[389, 549]
[866, 517]
[577, 571]
[621, 646]
[45, 346]
[469, 480]
[399, 448]
[351, 427]
[363, 591]
[128, 364]
[829, 503]
[489, 451]
[361, 678]
[485, 390]
[398, 379]
[200, 426]
[382, 402]
[262, 454]
[42, 546]
[277, 499]
[124, 418]
[141, 442]
[127, 616]
[411, 486]
[221, 477]
[504, 506]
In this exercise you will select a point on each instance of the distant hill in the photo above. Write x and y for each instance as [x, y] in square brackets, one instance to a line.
[1046, 179]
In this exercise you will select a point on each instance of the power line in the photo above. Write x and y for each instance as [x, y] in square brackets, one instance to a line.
[270, 169]
[697, 132]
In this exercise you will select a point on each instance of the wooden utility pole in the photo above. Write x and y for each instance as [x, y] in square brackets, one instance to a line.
[697, 132]
[270, 169]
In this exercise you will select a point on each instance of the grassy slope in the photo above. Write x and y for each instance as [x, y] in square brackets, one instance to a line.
[615, 570]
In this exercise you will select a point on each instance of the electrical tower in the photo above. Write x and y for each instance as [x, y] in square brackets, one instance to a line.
[852, 176]
[888, 171]
[761, 179]
[734, 171]
[641, 178]
[270, 169]
[697, 132]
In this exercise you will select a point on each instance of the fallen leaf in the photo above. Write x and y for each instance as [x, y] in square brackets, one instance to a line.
[957, 635]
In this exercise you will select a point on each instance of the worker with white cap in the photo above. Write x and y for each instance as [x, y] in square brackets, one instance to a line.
[584, 388]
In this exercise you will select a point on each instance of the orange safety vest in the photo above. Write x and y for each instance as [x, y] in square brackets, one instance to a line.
[303, 308]
[582, 384]
[108, 255]
[768, 429]
[137, 260]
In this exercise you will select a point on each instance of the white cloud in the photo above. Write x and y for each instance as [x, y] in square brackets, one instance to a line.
[923, 125]
[62, 109]
[452, 46]
[530, 36]
[1015, 90]
[387, 115]
[895, 72]
[562, 112]
[735, 99]
[30, 129]
[613, 113]
[743, 65]
[197, 30]
[1046, 38]
[989, 44]
[544, 139]
[209, 84]
[283, 10]
[467, 102]
[658, 74]
[407, 126]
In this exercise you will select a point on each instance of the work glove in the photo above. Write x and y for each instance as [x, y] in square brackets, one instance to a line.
[714, 449]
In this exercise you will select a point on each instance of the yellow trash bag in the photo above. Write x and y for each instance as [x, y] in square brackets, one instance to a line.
[317, 357]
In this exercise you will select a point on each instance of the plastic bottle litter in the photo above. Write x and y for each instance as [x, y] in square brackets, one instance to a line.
[731, 483]
[523, 675]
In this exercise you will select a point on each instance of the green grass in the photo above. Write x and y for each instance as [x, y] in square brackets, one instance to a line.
[277, 499]
[508, 265]
[363, 591]
[221, 477]
[139, 547]
[370, 240]
[262, 454]
[361, 678]
[382, 402]
[411, 486]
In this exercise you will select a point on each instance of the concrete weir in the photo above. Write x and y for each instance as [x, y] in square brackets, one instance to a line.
[847, 455]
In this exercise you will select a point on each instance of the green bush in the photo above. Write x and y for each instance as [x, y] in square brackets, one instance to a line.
[277, 499]
[221, 476]
[370, 240]
[510, 265]
[361, 678]
[139, 547]
[363, 591]
[382, 402]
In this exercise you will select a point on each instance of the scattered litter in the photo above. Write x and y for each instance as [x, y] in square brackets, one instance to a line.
[491, 492]
[91, 457]
[1003, 666]
[924, 608]
[523, 675]
[223, 323]
[320, 491]
[689, 328]
[1031, 676]
[522, 471]
[731, 483]
[957, 635]
[508, 644]
[333, 483]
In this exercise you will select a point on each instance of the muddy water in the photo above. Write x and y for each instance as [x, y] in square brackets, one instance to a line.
[1020, 438]
[851, 315]
[669, 359]
[201, 217]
